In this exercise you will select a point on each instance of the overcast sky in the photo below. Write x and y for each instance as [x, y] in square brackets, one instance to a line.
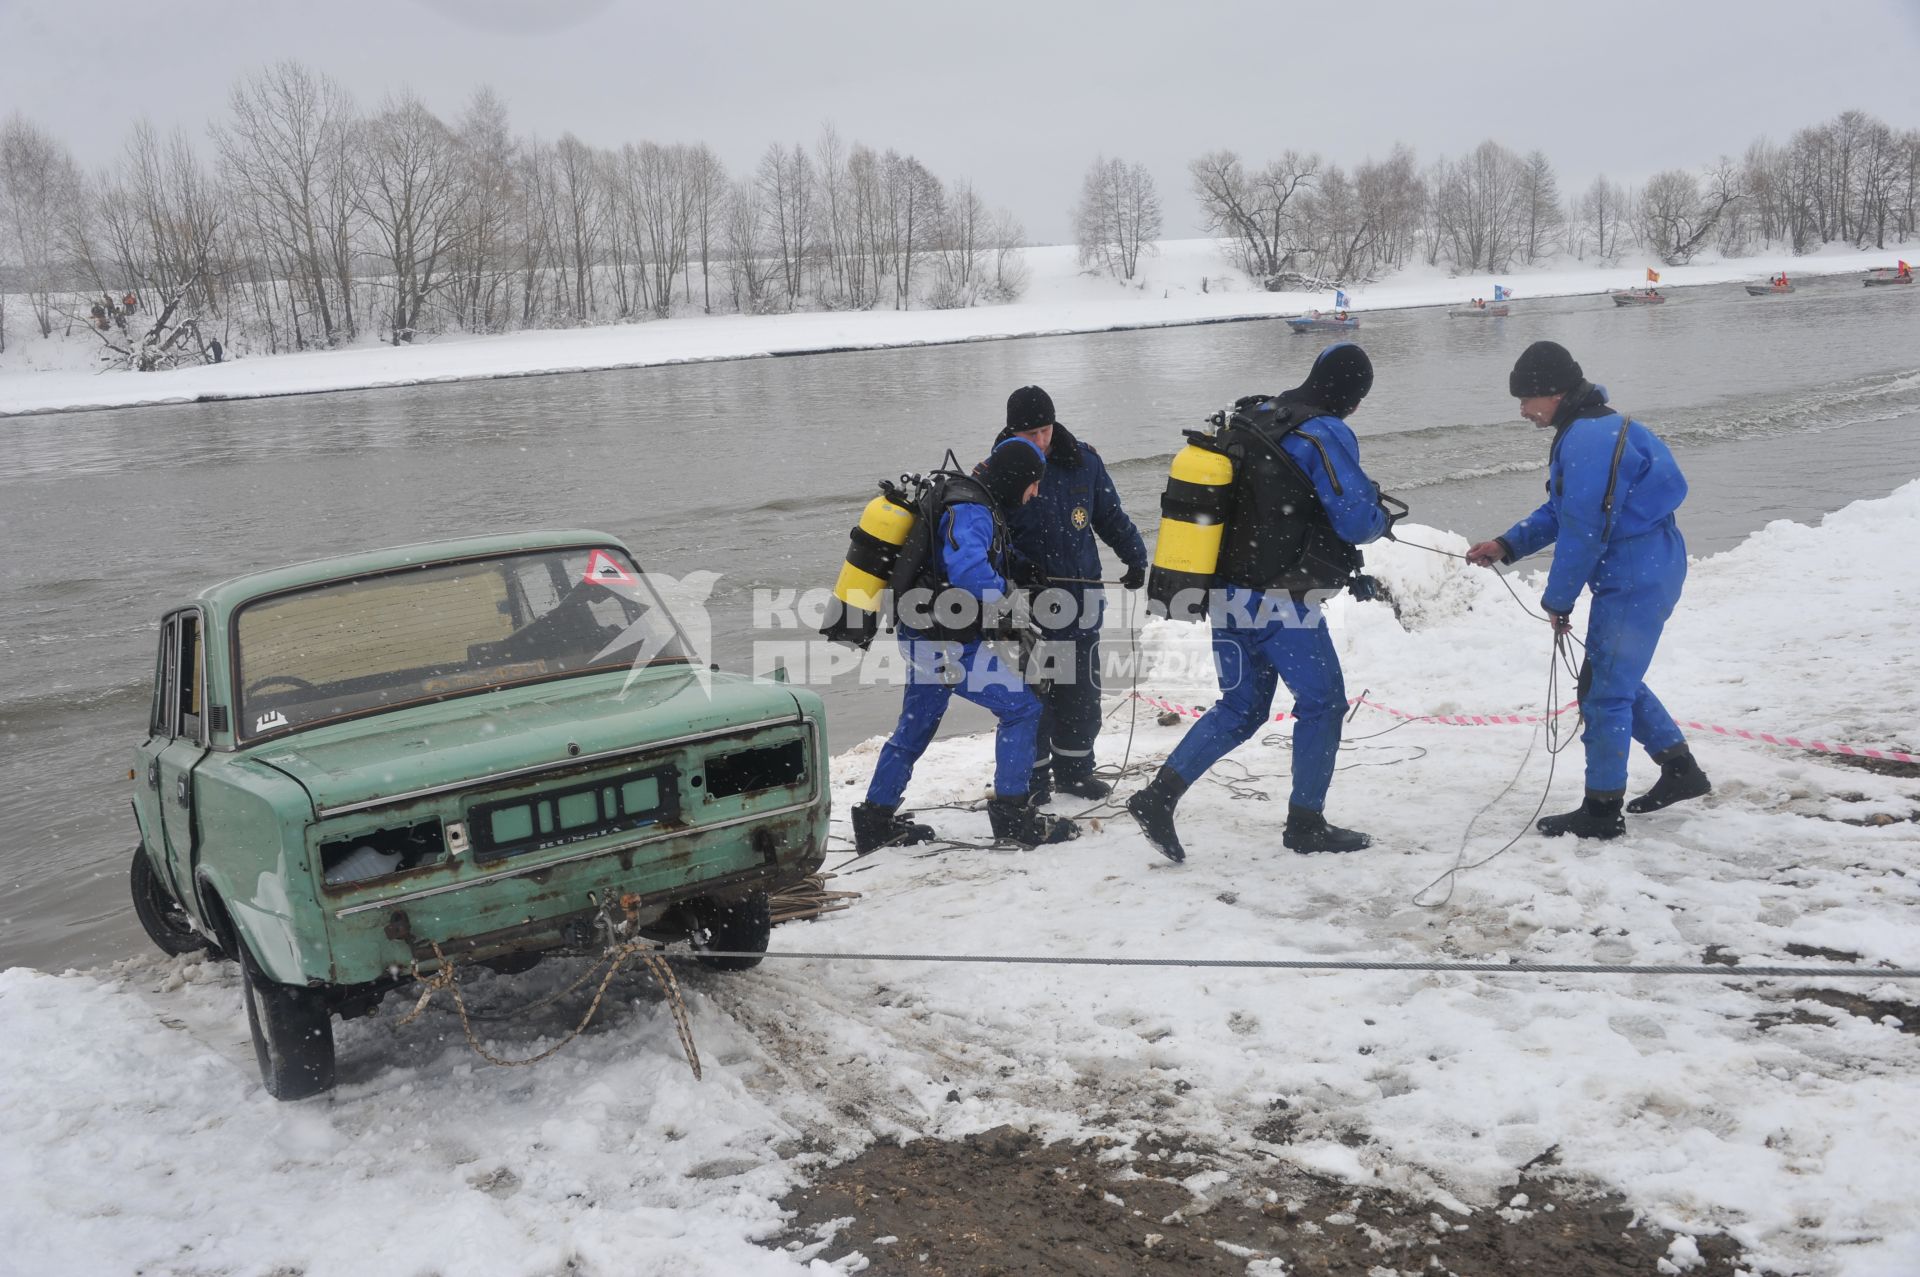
[1018, 97]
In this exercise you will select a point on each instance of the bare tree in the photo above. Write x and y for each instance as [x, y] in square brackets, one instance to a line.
[1540, 190]
[1603, 213]
[1677, 215]
[708, 187]
[838, 227]
[1878, 171]
[1117, 216]
[1480, 207]
[38, 185]
[867, 174]
[414, 193]
[750, 271]
[148, 236]
[488, 156]
[1338, 226]
[961, 259]
[1005, 236]
[1394, 198]
[580, 219]
[283, 151]
[912, 199]
[1256, 210]
[786, 184]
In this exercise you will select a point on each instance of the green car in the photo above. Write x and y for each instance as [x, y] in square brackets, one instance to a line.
[498, 748]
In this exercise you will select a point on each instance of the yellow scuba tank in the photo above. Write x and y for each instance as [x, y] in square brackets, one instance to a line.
[874, 548]
[1193, 520]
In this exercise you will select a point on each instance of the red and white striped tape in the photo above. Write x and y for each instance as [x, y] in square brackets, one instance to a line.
[1855, 751]
[1494, 720]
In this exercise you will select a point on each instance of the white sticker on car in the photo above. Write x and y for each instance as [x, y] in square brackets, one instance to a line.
[267, 722]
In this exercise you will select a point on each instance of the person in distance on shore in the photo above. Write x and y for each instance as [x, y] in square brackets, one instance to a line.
[1612, 490]
[1302, 505]
[1055, 532]
[950, 654]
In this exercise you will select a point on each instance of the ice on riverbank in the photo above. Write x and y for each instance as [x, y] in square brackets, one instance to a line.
[133, 1133]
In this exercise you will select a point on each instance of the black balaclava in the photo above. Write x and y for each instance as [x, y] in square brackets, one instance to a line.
[1009, 470]
[1339, 379]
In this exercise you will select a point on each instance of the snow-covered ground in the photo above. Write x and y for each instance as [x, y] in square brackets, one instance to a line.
[51, 376]
[134, 1135]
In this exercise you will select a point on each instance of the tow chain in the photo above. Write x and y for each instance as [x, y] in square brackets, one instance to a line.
[618, 951]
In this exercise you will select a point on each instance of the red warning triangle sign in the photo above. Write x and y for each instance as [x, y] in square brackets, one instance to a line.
[603, 570]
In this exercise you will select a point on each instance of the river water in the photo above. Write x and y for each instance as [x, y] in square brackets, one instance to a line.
[1777, 407]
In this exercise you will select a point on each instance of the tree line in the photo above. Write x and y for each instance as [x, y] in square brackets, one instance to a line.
[302, 221]
[1298, 219]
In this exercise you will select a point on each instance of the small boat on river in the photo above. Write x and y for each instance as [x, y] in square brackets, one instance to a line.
[1772, 286]
[1638, 297]
[1479, 312]
[1315, 322]
[1901, 274]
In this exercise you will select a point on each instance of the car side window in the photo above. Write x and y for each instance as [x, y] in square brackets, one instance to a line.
[187, 675]
[163, 680]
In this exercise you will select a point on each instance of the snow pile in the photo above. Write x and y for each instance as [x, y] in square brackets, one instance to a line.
[133, 1133]
[1184, 282]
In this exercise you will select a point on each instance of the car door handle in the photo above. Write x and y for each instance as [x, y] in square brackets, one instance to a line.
[183, 791]
[153, 774]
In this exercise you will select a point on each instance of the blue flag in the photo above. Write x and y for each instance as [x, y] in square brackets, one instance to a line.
[1340, 298]
[1499, 292]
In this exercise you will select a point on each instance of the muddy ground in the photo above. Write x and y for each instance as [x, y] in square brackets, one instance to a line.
[1003, 1203]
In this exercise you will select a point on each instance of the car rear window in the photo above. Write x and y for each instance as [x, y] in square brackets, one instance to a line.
[372, 643]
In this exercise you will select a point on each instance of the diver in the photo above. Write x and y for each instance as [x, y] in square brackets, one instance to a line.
[1612, 489]
[1055, 532]
[943, 627]
[1301, 507]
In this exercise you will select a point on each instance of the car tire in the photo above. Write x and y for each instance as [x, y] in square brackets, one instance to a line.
[160, 915]
[292, 1032]
[744, 926]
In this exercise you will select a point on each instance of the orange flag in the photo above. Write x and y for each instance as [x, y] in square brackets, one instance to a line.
[1653, 276]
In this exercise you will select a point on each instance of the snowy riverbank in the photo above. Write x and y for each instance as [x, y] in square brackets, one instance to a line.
[134, 1135]
[51, 376]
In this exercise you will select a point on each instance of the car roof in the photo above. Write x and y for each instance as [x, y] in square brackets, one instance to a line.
[232, 593]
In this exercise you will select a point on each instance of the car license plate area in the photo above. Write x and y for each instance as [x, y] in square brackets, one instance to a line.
[574, 813]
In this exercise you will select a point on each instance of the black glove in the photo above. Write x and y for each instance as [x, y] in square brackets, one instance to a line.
[1135, 577]
[1027, 574]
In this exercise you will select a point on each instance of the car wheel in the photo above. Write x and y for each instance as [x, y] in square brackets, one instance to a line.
[292, 1032]
[741, 927]
[161, 916]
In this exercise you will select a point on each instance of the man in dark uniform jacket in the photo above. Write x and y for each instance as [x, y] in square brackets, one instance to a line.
[1055, 532]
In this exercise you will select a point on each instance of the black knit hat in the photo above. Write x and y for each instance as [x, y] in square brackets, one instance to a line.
[1009, 470]
[1339, 379]
[1029, 408]
[1544, 368]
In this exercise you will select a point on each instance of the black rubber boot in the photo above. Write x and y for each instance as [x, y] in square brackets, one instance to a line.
[1088, 786]
[875, 827]
[1016, 820]
[1308, 833]
[1153, 808]
[1680, 779]
[1598, 816]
